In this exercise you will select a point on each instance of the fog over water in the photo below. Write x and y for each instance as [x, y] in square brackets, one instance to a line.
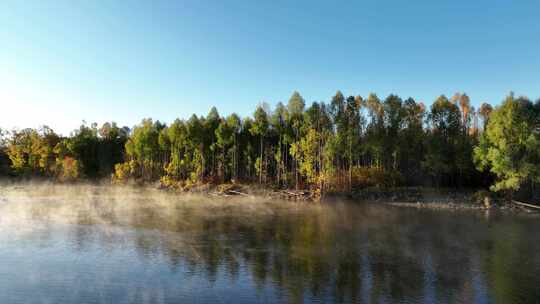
[102, 244]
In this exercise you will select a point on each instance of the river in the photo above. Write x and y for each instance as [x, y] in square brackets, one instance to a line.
[93, 244]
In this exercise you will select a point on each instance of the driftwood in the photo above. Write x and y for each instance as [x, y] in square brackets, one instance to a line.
[293, 193]
[234, 192]
[228, 193]
[296, 194]
[526, 205]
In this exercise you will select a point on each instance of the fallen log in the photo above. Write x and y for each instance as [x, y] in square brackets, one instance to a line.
[526, 205]
[295, 193]
[236, 192]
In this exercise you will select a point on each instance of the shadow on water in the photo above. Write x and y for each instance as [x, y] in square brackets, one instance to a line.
[132, 245]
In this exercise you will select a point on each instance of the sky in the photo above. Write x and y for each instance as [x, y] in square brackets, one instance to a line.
[62, 62]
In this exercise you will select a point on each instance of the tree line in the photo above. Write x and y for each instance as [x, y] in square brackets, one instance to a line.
[347, 143]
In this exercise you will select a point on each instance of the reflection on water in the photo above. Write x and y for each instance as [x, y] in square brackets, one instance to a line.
[100, 245]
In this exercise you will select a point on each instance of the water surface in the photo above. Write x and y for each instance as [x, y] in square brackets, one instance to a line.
[74, 244]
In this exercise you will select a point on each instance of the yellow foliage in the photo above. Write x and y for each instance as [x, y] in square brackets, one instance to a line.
[68, 169]
[124, 171]
[169, 182]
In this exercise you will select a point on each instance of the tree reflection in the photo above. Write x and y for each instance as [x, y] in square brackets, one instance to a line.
[342, 253]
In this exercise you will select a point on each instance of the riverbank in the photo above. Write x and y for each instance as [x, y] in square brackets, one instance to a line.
[441, 199]
[405, 197]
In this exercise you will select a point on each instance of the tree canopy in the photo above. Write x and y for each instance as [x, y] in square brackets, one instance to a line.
[510, 146]
[347, 143]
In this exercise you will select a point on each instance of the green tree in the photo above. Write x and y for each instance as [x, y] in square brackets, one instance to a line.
[211, 124]
[234, 123]
[279, 122]
[174, 139]
[353, 130]
[260, 128]
[110, 150]
[375, 133]
[510, 145]
[317, 118]
[31, 151]
[83, 144]
[248, 142]
[339, 141]
[225, 135]
[411, 140]
[349, 141]
[306, 151]
[393, 121]
[196, 142]
[295, 107]
[445, 130]
[144, 149]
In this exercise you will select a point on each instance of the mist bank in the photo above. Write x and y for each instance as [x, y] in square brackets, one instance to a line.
[341, 147]
[121, 205]
[244, 195]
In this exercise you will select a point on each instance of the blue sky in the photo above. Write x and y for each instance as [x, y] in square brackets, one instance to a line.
[65, 61]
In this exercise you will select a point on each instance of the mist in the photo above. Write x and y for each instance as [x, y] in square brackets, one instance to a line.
[127, 244]
[27, 205]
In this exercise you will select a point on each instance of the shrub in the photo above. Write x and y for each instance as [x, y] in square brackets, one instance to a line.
[68, 169]
[124, 171]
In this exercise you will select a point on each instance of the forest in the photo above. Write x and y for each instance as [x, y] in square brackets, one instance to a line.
[347, 143]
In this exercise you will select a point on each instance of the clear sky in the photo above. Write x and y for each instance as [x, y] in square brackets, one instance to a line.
[65, 61]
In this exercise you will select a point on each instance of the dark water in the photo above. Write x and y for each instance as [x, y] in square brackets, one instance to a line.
[99, 245]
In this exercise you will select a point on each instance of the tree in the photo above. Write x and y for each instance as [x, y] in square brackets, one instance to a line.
[510, 144]
[347, 142]
[248, 154]
[68, 168]
[306, 151]
[339, 140]
[279, 124]
[19, 151]
[234, 123]
[225, 135]
[352, 131]
[445, 129]
[296, 106]
[411, 140]
[31, 151]
[174, 139]
[83, 144]
[316, 118]
[465, 105]
[375, 133]
[210, 125]
[110, 150]
[144, 149]
[485, 111]
[259, 128]
[392, 108]
[4, 159]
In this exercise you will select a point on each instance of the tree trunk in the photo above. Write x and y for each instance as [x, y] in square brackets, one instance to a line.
[350, 166]
[261, 160]
[235, 161]
[279, 164]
